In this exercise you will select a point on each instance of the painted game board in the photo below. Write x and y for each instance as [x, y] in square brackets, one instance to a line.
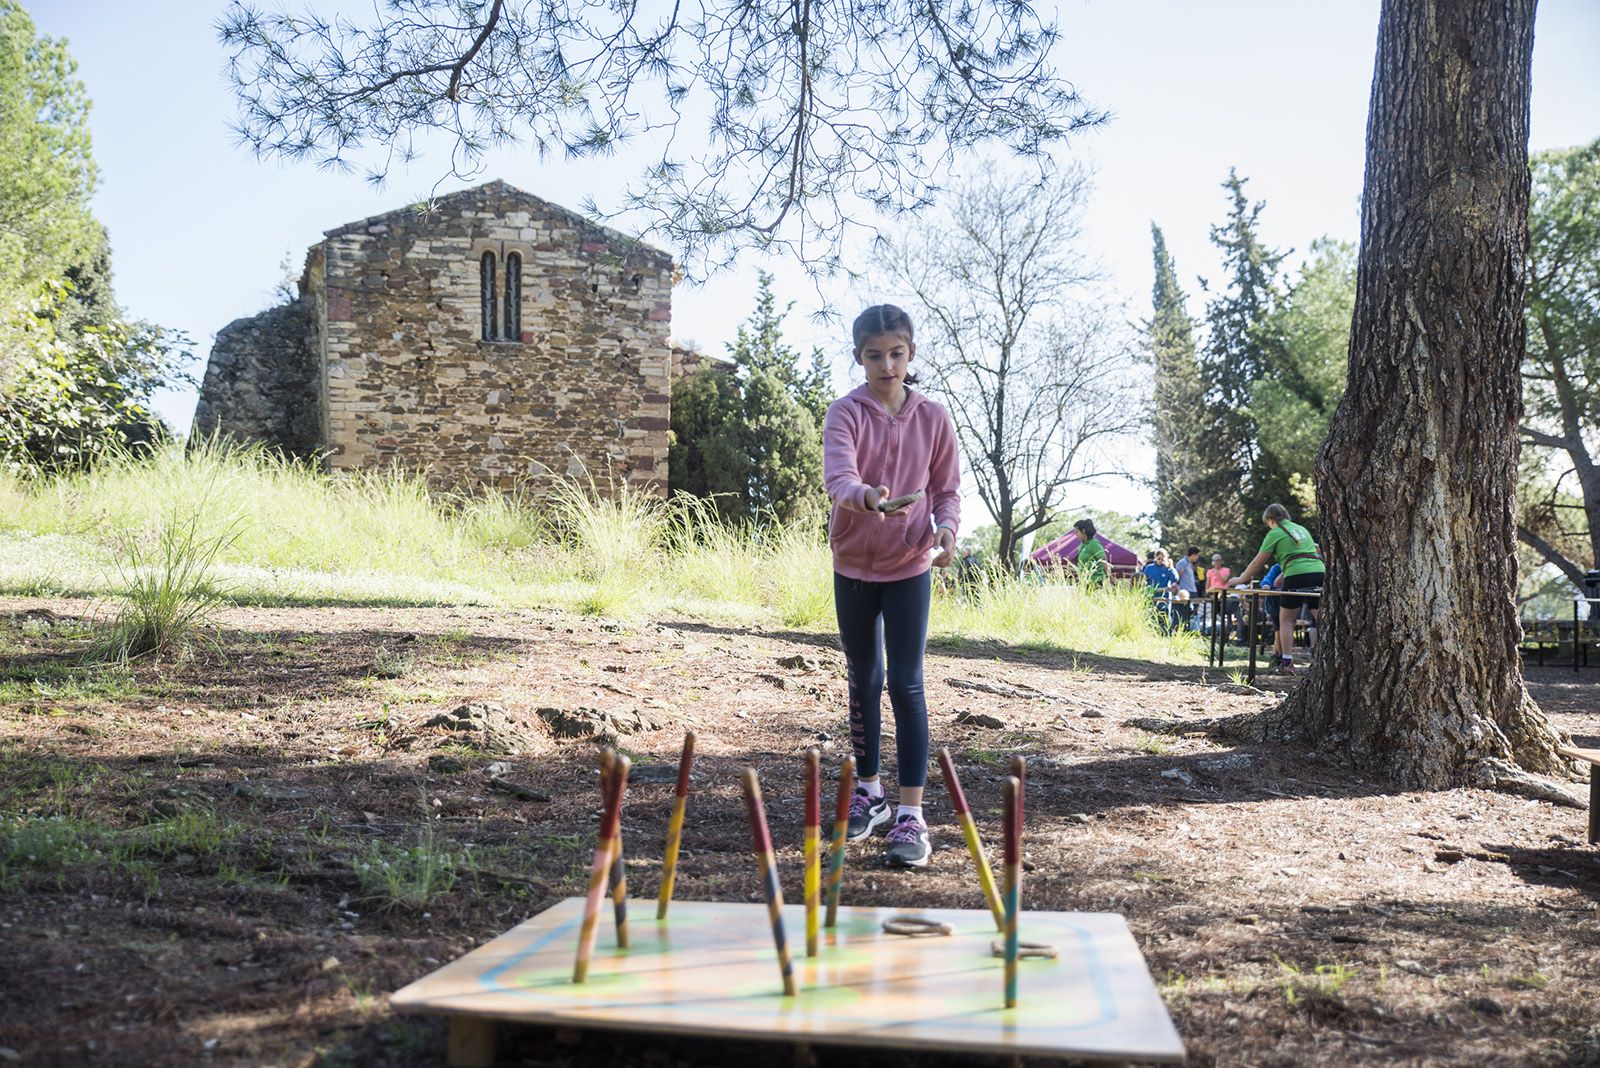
[710, 969]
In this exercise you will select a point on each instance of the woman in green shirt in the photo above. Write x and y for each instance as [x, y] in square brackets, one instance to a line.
[1292, 547]
[1091, 554]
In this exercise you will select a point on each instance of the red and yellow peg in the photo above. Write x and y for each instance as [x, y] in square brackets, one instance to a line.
[761, 839]
[1013, 898]
[619, 868]
[813, 850]
[841, 824]
[969, 830]
[680, 801]
[605, 847]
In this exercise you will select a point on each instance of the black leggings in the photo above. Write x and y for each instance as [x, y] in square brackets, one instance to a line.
[874, 618]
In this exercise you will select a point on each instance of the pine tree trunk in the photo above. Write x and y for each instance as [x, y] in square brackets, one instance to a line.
[1417, 678]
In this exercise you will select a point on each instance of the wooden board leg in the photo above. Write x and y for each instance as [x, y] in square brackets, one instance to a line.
[1594, 804]
[471, 1042]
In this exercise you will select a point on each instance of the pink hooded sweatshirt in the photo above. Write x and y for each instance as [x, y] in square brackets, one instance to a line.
[864, 446]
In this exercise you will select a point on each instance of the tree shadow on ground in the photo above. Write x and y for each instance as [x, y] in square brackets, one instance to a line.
[1574, 868]
[983, 649]
[237, 668]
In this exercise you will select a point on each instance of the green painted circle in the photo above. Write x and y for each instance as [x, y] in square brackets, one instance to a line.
[806, 997]
[1052, 1010]
[682, 918]
[559, 981]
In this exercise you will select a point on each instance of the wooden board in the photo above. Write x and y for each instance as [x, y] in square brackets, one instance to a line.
[710, 969]
[1592, 756]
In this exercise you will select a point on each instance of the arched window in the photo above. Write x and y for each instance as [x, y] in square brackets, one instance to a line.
[491, 306]
[514, 296]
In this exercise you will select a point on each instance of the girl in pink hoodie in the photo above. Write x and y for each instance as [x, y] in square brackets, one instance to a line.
[882, 441]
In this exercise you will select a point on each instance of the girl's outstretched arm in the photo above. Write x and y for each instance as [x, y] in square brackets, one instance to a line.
[944, 477]
[839, 474]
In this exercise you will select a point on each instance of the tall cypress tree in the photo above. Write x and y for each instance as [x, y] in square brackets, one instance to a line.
[751, 440]
[1243, 483]
[760, 347]
[1179, 404]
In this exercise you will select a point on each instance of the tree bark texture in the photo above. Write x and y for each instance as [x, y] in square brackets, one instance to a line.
[1417, 676]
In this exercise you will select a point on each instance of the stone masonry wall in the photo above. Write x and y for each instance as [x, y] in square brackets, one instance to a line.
[583, 392]
[260, 384]
[687, 361]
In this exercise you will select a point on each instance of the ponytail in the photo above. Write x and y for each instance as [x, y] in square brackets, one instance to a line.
[1280, 515]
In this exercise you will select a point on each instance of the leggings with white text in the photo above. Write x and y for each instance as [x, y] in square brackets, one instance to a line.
[877, 618]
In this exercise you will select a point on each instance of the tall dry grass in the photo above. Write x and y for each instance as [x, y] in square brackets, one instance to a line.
[286, 532]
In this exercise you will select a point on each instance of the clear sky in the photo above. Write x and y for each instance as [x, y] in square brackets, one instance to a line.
[1277, 88]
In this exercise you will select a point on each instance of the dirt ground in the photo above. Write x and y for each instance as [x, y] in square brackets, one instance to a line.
[1291, 914]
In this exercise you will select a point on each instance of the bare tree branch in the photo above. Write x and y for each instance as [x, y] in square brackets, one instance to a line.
[1551, 554]
[816, 114]
[1016, 345]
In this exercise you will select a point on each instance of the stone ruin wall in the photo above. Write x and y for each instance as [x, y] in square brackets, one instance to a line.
[260, 384]
[686, 361]
[582, 393]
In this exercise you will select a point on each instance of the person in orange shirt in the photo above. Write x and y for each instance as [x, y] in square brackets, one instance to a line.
[1217, 577]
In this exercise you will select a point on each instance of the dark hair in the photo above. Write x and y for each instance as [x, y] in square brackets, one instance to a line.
[881, 319]
[1085, 529]
[1191, 550]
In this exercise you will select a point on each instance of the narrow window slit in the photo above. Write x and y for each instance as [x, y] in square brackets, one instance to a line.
[491, 309]
[514, 296]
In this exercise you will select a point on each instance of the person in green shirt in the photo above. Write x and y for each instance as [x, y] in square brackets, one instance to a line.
[1092, 564]
[1292, 547]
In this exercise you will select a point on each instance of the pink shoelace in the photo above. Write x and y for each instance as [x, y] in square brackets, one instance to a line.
[906, 830]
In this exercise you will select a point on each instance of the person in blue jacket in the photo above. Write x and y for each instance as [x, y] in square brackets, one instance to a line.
[1161, 582]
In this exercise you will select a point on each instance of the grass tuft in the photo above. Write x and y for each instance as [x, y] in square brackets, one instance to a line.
[168, 590]
[409, 878]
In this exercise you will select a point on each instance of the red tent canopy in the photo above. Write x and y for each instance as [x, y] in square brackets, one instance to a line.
[1123, 561]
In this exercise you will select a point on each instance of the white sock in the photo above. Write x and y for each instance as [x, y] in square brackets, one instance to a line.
[907, 810]
[874, 789]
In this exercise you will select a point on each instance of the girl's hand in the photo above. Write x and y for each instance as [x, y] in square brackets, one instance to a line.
[881, 493]
[947, 548]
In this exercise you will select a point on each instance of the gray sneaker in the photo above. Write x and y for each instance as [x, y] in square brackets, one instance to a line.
[866, 814]
[908, 844]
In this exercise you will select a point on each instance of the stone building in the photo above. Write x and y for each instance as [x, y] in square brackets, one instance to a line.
[686, 361]
[494, 339]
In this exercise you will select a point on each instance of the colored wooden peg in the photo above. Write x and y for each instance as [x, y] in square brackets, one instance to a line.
[841, 823]
[680, 802]
[969, 830]
[619, 868]
[813, 850]
[605, 847]
[1013, 892]
[761, 840]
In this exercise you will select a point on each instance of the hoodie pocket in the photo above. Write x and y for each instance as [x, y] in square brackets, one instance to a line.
[849, 535]
[918, 534]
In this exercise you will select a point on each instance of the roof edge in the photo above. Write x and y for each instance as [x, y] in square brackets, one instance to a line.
[499, 185]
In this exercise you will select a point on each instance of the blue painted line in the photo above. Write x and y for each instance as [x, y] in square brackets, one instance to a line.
[1098, 980]
[490, 980]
